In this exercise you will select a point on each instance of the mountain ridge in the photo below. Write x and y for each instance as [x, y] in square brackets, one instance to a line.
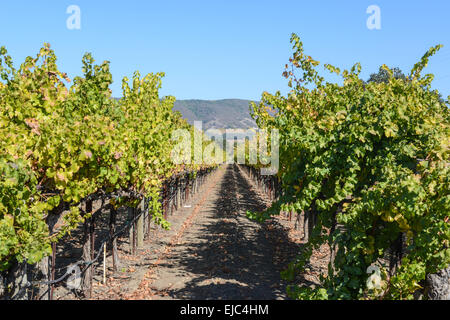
[218, 114]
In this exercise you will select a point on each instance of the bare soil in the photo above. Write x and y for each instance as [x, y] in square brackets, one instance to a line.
[212, 251]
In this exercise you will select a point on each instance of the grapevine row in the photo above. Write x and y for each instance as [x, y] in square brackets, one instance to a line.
[63, 145]
[367, 165]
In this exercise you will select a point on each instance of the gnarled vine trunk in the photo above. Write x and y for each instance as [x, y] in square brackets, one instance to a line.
[13, 282]
[438, 285]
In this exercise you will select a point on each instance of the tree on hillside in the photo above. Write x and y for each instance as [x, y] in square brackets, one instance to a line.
[383, 75]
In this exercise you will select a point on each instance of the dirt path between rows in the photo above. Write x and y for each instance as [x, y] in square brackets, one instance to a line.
[213, 251]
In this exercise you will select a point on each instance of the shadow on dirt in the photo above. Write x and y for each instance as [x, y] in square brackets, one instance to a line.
[234, 257]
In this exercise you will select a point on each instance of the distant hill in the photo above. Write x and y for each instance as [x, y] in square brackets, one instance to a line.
[218, 114]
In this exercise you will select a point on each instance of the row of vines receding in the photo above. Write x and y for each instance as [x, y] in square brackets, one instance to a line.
[368, 164]
[63, 143]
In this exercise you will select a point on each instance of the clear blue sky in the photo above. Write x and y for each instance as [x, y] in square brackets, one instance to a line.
[228, 49]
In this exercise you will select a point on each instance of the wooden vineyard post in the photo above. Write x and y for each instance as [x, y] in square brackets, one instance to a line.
[186, 187]
[175, 195]
[309, 222]
[270, 188]
[170, 198]
[297, 220]
[113, 238]
[87, 254]
[178, 193]
[47, 265]
[396, 254]
[132, 237]
[92, 231]
[140, 224]
[104, 264]
[165, 200]
[53, 266]
[333, 245]
[306, 222]
[145, 217]
[149, 219]
[182, 193]
[186, 197]
[43, 292]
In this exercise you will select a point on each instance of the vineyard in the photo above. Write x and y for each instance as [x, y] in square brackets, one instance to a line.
[364, 176]
[366, 167]
[64, 148]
